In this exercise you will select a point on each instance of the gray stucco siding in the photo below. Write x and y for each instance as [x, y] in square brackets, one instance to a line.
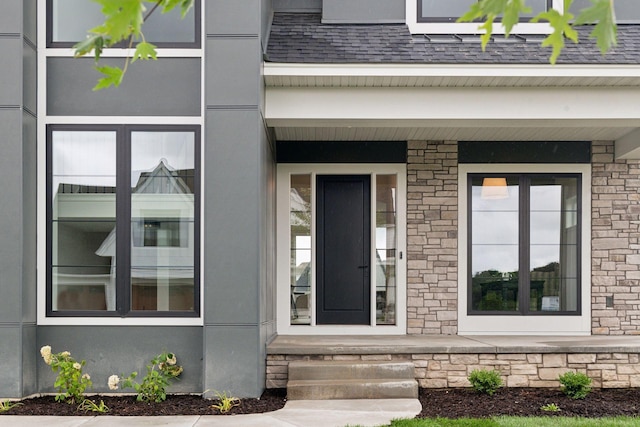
[119, 350]
[363, 11]
[166, 87]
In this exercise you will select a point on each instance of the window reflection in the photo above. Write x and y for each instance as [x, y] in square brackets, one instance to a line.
[162, 220]
[83, 212]
[72, 18]
[542, 262]
[300, 230]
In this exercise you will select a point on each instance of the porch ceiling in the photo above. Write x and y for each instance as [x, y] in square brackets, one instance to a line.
[399, 102]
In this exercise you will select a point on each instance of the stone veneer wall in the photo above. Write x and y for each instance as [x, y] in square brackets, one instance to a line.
[615, 245]
[606, 370]
[432, 245]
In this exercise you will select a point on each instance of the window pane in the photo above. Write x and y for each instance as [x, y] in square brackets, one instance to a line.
[626, 10]
[83, 220]
[72, 18]
[445, 8]
[162, 220]
[300, 229]
[386, 244]
[536, 6]
[495, 242]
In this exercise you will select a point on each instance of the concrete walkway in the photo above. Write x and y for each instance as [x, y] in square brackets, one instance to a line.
[299, 413]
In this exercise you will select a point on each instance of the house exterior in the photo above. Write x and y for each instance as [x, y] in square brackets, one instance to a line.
[314, 169]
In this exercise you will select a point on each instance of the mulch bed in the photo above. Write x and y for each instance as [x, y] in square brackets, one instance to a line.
[450, 403]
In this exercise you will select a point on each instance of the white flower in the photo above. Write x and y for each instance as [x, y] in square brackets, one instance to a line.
[45, 351]
[171, 360]
[113, 382]
[77, 366]
[86, 377]
[65, 354]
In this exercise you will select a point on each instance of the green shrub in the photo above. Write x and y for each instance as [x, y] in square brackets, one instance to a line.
[485, 381]
[576, 385]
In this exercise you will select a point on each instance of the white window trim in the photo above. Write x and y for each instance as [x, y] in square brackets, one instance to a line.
[524, 325]
[44, 120]
[283, 251]
[416, 27]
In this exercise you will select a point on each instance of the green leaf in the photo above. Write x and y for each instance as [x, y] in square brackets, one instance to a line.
[123, 18]
[113, 77]
[561, 28]
[144, 51]
[603, 15]
[512, 13]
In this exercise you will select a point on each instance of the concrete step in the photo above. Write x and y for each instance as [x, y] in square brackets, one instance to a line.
[323, 380]
[327, 370]
[352, 389]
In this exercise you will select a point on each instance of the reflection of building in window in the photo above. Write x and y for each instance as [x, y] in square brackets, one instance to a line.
[162, 238]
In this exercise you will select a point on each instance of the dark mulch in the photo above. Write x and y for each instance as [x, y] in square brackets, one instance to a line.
[451, 403]
[461, 403]
[270, 400]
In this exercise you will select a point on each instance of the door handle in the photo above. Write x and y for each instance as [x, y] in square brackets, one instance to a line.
[363, 266]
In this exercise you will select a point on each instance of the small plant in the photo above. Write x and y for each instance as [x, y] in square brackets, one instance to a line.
[485, 381]
[226, 402]
[160, 372]
[576, 385]
[550, 407]
[6, 405]
[89, 405]
[70, 382]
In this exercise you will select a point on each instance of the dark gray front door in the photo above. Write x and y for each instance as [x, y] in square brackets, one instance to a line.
[343, 230]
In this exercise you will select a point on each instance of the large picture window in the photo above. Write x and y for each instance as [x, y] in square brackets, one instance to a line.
[524, 246]
[69, 20]
[122, 220]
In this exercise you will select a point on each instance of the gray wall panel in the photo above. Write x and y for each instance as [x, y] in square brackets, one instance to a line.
[29, 203]
[232, 361]
[112, 350]
[30, 359]
[10, 361]
[297, 5]
[11, 17]
[11, 213]
[232, 222]
[30, 20]
[30, 79]
[233, 75]
[11, 81]
[233, 17]
[166, 87]
[363, 11]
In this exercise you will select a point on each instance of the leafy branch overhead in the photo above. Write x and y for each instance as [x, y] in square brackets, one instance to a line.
[600, 14]
[123, 27]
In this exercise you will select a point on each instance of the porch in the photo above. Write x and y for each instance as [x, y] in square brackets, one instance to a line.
[443, 361]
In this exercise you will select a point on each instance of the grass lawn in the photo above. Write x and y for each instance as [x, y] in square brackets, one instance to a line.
[520, 422]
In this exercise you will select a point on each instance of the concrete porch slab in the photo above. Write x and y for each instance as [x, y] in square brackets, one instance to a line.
[448, 344]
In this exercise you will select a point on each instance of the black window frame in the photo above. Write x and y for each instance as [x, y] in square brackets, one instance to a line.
[196, 44]
[123, 221]
[524, 245]
[453, 19]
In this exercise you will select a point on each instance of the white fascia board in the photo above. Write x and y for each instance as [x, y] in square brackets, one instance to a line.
[274, 69]
[304, 106]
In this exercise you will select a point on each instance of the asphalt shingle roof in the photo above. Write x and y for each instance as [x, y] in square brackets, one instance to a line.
[303, 38]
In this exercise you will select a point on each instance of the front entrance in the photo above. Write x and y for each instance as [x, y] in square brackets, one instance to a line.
[343, 254]
[341, 239]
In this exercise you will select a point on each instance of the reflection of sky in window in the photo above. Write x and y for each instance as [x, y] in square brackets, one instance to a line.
[89, 157]
[84, 158]
[148, 148]
[495, 229]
